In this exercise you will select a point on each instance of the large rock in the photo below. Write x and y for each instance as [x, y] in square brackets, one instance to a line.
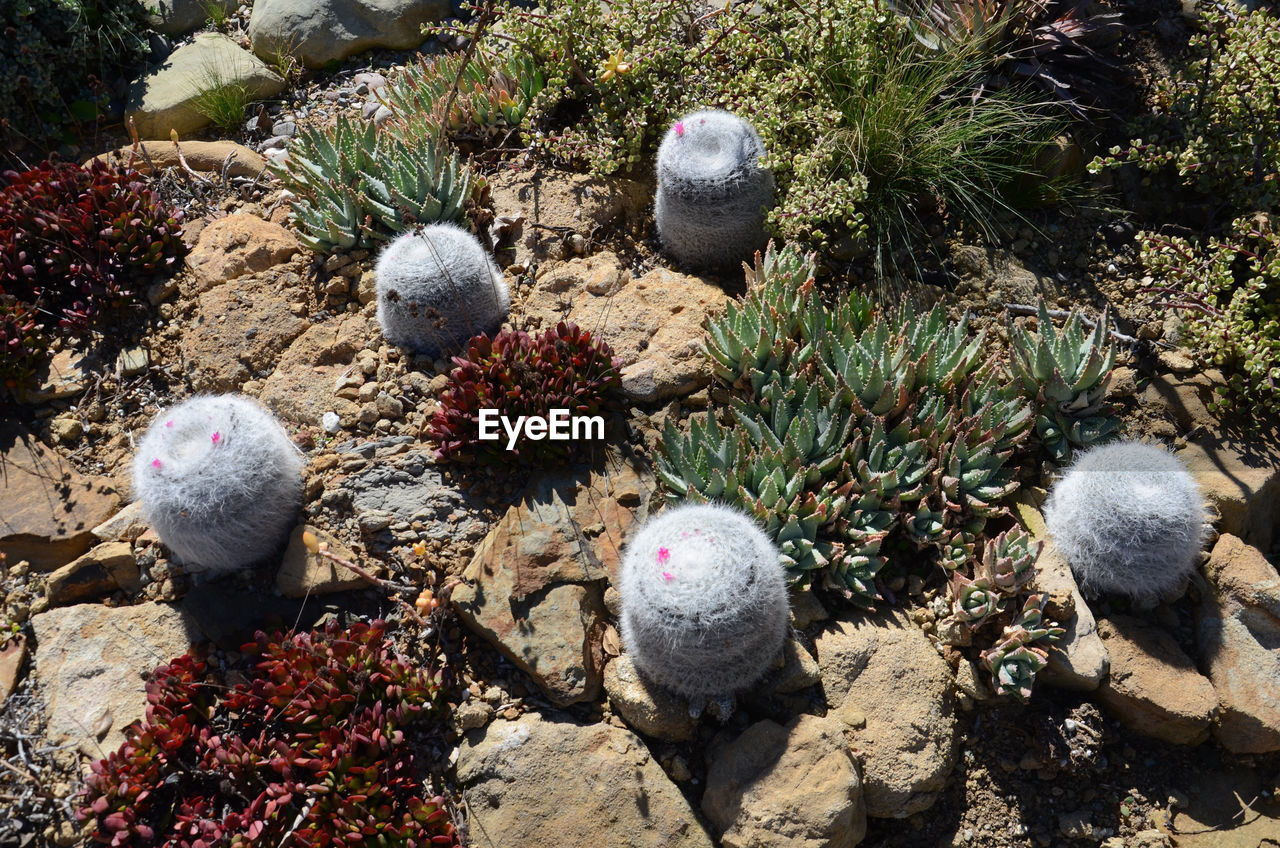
[240, 333]
[1239, 638]
[885, 679]
[317, 32]
[301, 389]
[47, 509]
[1078, 660]
[410, 487]
[99, 572]
[646, 707]
[161, 101]
[236, 245]
[1153, 687]
[787, 787]
[654, 323]
[206, 156]
[89, 662]
[179, 17]
[550, 781]
[303, 573]
[1242, 481]
[535, 585]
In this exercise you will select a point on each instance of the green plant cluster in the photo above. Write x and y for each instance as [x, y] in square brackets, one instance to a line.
[52, 54]
[355, 186]
[309, 751]
[1219, 121]
[855, 426]
[1228, 293]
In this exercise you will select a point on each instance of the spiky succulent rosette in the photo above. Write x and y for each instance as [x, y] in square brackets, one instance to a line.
[854, 425]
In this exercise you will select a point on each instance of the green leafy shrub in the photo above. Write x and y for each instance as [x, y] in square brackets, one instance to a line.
[856, 426]
[521, 374]
[1228, 293]
[355, 186]
[309, 751]
[51, 53]
[1219, 126]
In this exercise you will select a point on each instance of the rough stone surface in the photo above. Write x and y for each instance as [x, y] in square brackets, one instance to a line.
[236, 245]
[1238, 628]
[535, 585]
[1078, 660]
[13, 653]
[1153, 687]
[790, 787]
[795, 670]
[550, 781]
[551, 205]
[99, 572]
[646, 707]
[653, 324]
[1242, 481]
[66, 375]
[410, 487]
[302, 387]
[303, 573]
[179, 17]
[125, 526]
[161, 101]
[317, 32]
[205, 156]
[884, 678]
[241, 332]
[47, 509]
[89, 660]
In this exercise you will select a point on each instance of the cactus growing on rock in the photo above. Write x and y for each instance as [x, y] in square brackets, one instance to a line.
[220, 482]
[704, 602]
[437, 287]
[712, 191]
[1129, 519]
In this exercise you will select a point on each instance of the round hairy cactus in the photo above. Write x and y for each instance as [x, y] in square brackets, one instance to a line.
[704, 600]
[712, 192]
[1129, 519]
[220, 482]
[437, 287]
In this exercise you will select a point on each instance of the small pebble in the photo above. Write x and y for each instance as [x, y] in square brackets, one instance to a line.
[331, 422]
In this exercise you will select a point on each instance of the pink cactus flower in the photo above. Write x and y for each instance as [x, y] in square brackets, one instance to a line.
[668, 576]
[155, 463]
[217, 437]
[679, 129]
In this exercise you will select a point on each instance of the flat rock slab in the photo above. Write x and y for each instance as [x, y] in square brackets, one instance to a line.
[787, 787]
[550, 781]
[301, 389]
[410, 487]
[535, 585]
[105, 568]
[1238, 628]
[303, 573]
[885, 680]
[1242, 481]
[47, 509]
[204, 156]
[654, 323]
[162, 101]
[317, 32]
[1153, 687]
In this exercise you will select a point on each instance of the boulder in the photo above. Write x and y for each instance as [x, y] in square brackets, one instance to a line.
[1238, 631]
[552, 781]
[204, 156]
[48, 509]
[301, 389]
[646, 707]
[317, 32]
[786, 787]
[99, 572]
[1241, 481]
[885, 680]
[162, 101]
[236, 245]
[1153, 687]
[179, 17]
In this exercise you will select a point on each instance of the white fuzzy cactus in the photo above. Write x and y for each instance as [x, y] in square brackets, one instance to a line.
[436, 288]
[704, 600]
[712, 192]
[220, 482]
[1130, 520]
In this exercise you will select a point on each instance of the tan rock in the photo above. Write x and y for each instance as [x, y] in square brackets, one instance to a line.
[1242, 481]
[66, 375]
[1238, 630]
[646, 707]
[303, 573]
[1153, 687]
[794, 670]
[301, 389]
[89, 661]
[884, 677]
[550, 781]
[205, 156]
[48, 509]
[125, 526]
[99, 572]
[654, 323]
[790, 787]
[236, 245]
[13, 653]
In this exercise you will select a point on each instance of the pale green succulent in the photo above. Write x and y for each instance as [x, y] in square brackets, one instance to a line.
[1065, 374]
